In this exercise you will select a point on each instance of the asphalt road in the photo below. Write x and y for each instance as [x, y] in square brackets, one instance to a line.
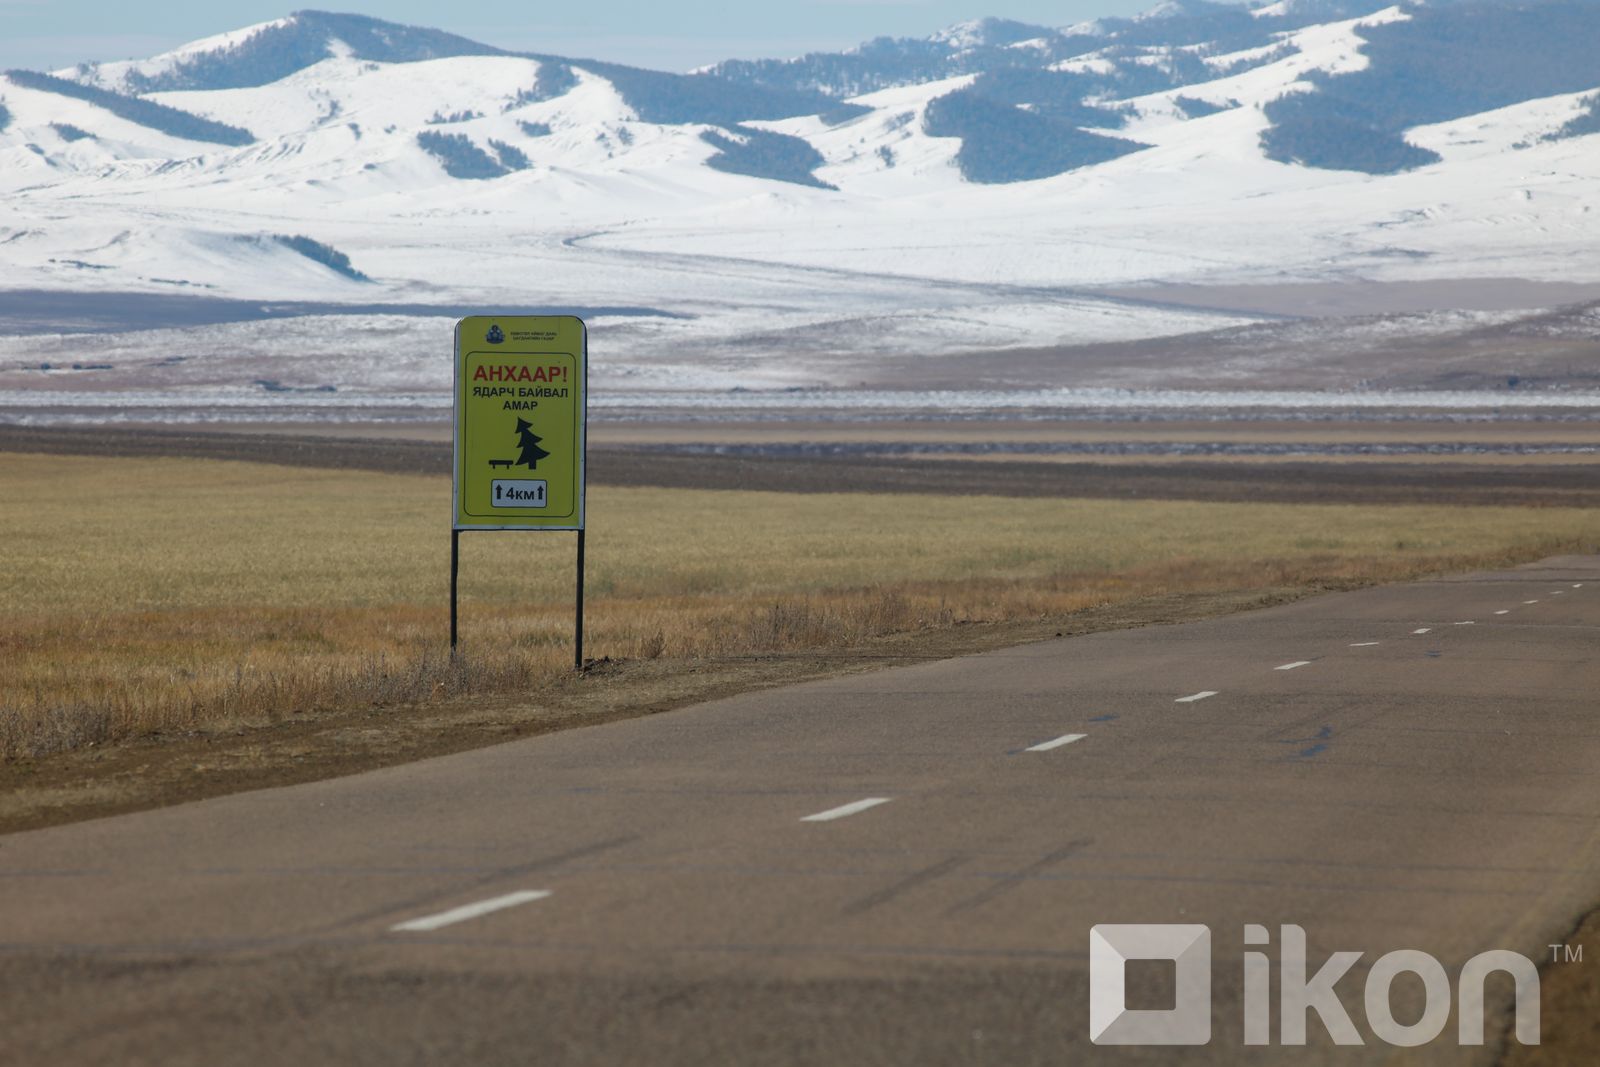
[1411, 767]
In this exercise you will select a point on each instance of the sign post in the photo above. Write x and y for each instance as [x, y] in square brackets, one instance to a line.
[521, 430]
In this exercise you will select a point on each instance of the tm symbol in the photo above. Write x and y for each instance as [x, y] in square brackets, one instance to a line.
[1565, 953]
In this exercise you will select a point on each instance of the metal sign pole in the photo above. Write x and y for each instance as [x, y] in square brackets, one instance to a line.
[577, 655]
[455, 569]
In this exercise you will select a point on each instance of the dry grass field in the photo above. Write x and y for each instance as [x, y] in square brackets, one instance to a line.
[142, 596]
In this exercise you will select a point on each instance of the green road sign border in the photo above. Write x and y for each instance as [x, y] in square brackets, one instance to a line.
[581, 420]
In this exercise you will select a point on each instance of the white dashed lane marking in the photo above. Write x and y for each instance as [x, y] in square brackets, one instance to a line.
[469, 911]
[853, 808]
[1469, 622]
[1365, 644]
[1192, 697]
[1530, 601]
[1424, 630]
[1292, 666]
[1064, 739]
[1503, 611]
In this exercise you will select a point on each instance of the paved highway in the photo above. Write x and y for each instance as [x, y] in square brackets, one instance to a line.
[895, 868]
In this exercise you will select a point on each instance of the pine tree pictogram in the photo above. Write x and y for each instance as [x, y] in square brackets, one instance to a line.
[528, 441]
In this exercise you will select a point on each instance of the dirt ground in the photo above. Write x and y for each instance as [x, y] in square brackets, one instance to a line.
[636, 460]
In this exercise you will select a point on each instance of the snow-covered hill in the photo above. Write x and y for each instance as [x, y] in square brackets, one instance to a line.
[981, 188]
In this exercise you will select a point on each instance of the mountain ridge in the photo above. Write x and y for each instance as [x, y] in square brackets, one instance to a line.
[1345, 120]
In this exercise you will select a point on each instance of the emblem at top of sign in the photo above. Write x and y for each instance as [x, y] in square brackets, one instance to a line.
[495, 335]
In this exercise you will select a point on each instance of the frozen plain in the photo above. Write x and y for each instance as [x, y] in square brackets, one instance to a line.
[732, 282]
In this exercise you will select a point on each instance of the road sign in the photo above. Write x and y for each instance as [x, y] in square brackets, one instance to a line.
[521, 414]
[521, 426]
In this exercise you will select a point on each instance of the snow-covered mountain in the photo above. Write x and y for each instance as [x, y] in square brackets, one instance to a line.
[980, 188]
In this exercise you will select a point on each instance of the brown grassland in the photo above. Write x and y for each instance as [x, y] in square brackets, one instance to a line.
[170, 596]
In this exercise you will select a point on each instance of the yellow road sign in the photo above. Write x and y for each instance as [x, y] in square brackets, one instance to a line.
[521, 419]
